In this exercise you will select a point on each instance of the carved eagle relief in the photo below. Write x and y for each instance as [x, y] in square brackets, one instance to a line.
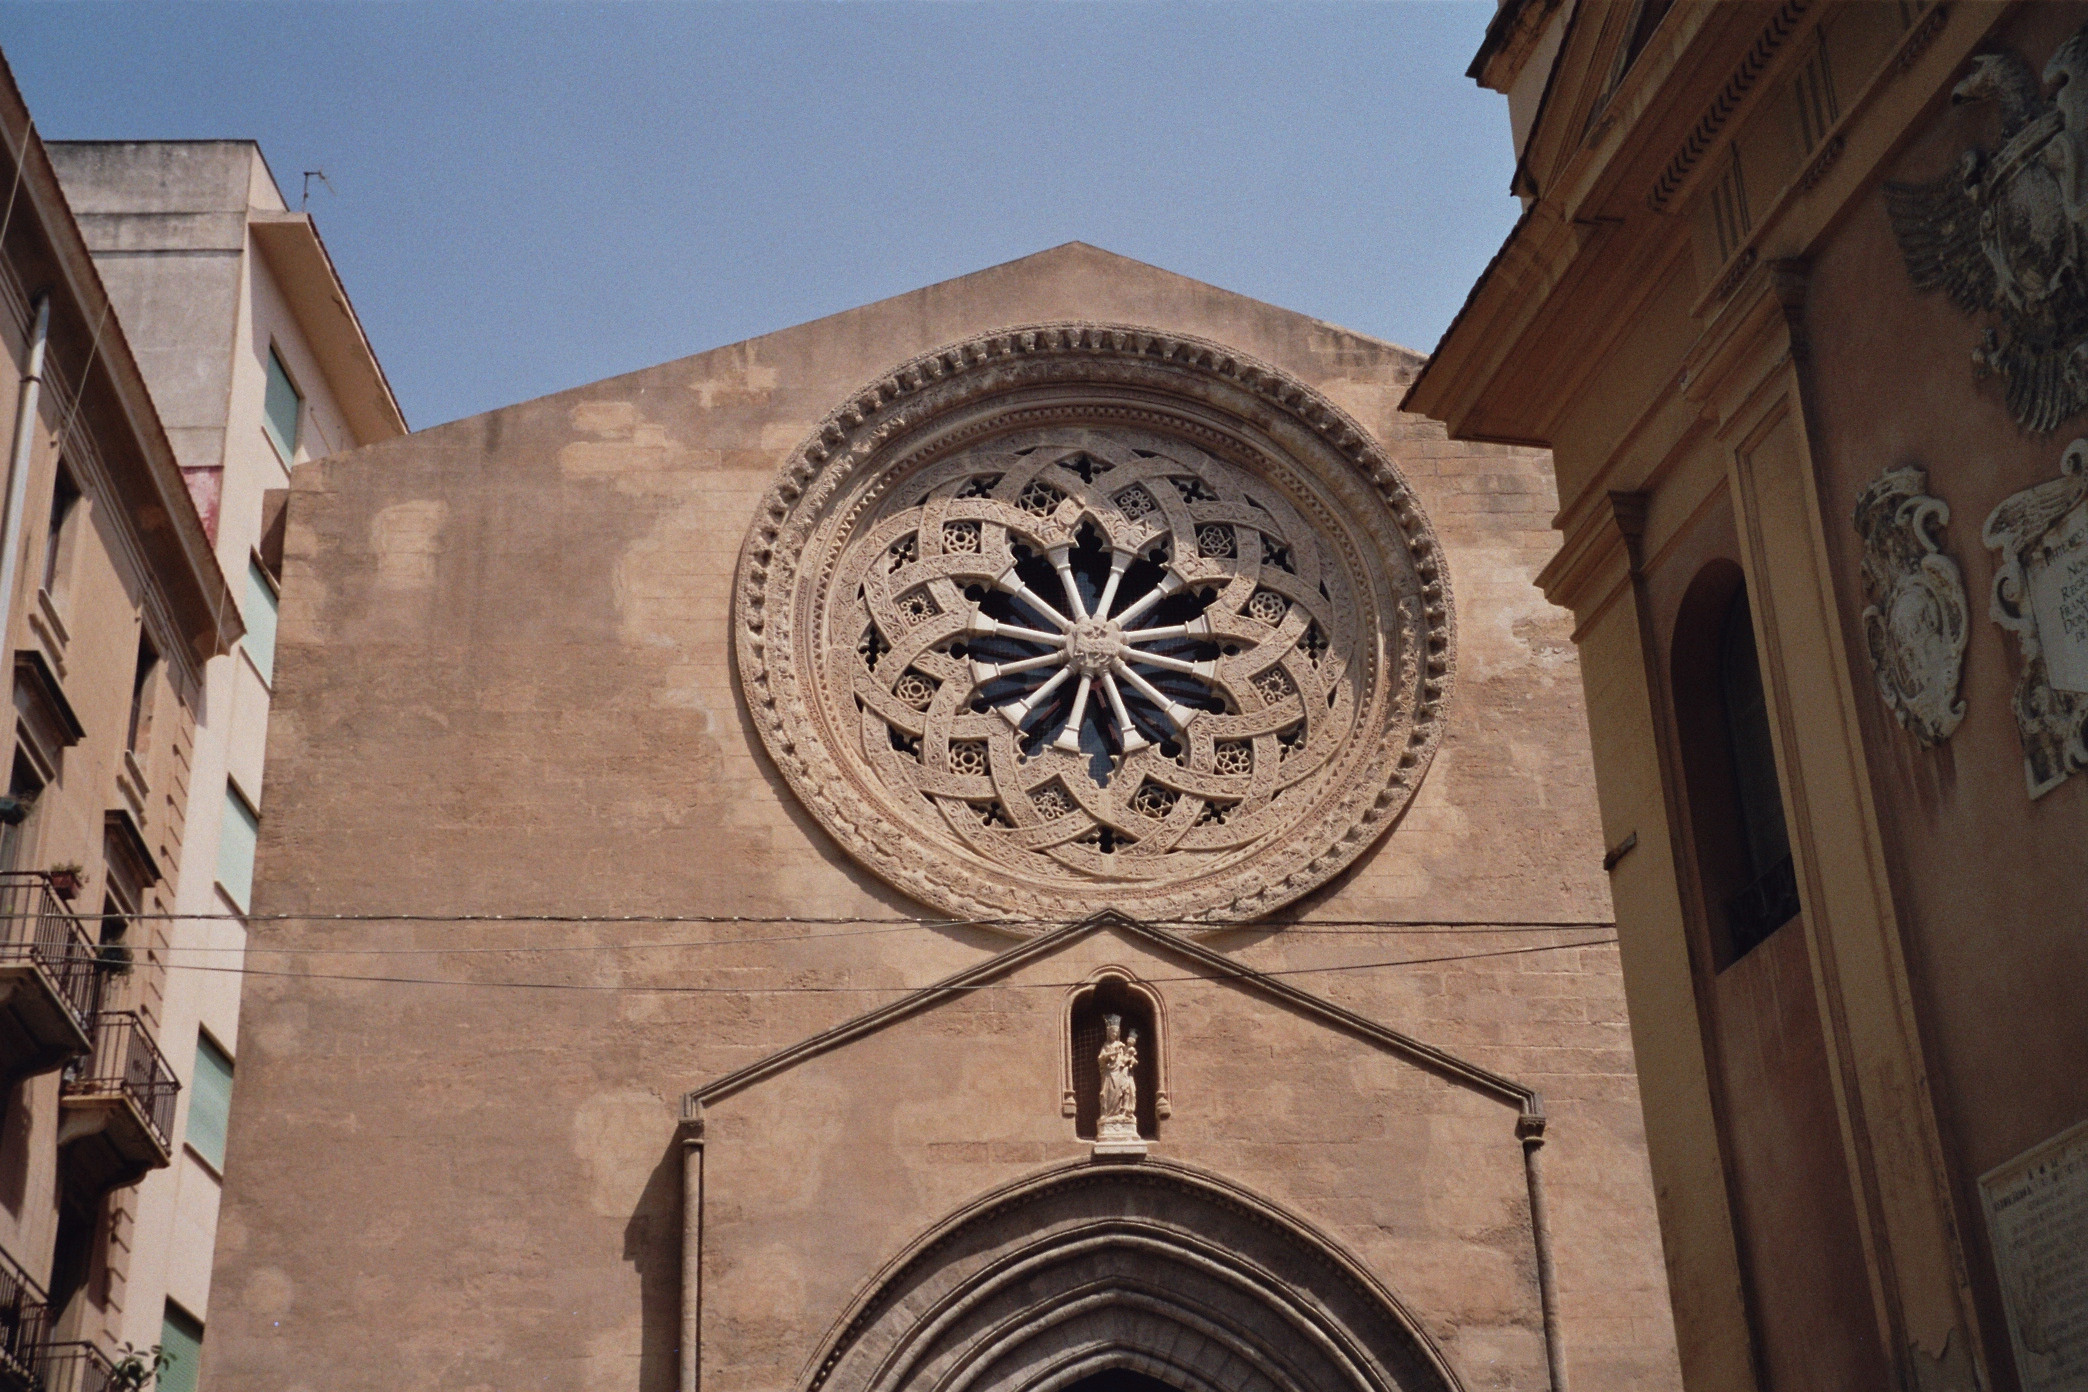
[2004, 232]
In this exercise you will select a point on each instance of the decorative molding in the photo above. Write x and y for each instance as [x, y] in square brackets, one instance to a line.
[1730, 281]
[1216, 966]
[2005, 234]
[1782, 24]
[1089, 616]
[1923, 34]
[2040, 594]
[1823, 162]
[1152, 1266]
[1916, 623]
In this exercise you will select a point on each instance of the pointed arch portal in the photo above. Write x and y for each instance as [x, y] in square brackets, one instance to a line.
[1117, 1276]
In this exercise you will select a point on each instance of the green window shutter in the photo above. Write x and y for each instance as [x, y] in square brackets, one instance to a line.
[236, 837]
[281, 408]
[181, 1335]
[260, 616]
[210, 1102]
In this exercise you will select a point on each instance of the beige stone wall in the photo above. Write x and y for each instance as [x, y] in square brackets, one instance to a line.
[504, 686]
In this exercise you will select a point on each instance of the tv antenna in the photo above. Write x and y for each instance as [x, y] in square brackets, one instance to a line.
[309, 175]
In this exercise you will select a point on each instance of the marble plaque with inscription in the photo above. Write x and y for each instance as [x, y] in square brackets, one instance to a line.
[2059, 598]
[2037, 1215]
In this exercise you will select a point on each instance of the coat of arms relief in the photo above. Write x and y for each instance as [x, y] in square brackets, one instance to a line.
[1915, 626]
[2005, 233]
[2041, 595]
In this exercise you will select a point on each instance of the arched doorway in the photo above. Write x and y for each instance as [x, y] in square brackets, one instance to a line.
[1126, 1278]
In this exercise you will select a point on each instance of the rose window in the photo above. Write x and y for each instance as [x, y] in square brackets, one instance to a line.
[1096, 652]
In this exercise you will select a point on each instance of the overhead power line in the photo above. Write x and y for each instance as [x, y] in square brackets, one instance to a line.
[1245, 972]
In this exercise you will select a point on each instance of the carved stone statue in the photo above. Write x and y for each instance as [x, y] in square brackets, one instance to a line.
[1119, 1056]
[1915, 626]
[2006, 232]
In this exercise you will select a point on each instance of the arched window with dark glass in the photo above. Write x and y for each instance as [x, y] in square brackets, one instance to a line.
[1742, 847]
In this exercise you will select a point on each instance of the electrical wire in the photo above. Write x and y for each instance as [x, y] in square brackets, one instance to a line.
[1245, 973]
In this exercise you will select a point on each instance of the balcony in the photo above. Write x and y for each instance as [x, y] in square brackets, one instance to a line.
[116, 1109]
[48, 984]
[75, 1367]
[25, 1321]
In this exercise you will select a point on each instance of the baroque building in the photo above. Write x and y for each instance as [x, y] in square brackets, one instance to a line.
[1798, 301]
[1034, 834]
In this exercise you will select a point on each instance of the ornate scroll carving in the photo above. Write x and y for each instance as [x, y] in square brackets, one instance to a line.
[2041, 595]
[1081, 617]
[2006, 233]
[1916, 624]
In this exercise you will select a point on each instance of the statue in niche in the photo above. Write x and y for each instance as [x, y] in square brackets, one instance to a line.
[1119, 1117]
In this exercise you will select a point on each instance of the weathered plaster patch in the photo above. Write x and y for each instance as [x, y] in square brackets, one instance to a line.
[754, 382]
[406, 539]
[616, 1135]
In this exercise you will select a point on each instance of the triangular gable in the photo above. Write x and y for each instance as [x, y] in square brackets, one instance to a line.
[1437, 1061]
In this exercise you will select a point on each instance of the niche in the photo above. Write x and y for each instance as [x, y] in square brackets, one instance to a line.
[1113, 991]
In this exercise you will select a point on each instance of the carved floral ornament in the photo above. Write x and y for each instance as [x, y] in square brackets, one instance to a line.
[1083, 617]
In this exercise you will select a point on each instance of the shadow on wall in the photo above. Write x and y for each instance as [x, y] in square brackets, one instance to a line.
[652, 1245]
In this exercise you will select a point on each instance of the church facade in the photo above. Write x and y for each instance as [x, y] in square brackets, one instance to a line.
[1036, 834]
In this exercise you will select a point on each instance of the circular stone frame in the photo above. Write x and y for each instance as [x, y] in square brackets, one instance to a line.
[1095, 376]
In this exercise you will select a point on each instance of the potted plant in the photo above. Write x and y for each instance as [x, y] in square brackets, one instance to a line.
[138, 1370]
[66, 878]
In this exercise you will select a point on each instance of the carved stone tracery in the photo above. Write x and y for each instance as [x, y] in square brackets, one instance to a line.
[1071, 618]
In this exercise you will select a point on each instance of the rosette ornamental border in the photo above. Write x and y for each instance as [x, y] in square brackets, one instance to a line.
[923, 768]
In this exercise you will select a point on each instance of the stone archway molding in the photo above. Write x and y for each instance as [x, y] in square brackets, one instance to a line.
[1529, 1134]
[1156, 1267]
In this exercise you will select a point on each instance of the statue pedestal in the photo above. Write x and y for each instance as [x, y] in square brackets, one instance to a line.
[1118, 1135]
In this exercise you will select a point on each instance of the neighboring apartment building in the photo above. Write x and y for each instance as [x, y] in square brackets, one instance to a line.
[113, 605]
[256, 361]
[1799, 300]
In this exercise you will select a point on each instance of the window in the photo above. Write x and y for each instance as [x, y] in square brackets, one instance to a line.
[15, 836]
[236, 837]
[115, 957]
[282, 409]
[181, 1336]
[1742, 849]
[1648, 18]
[1770, 897]
[65, 501]
[141, 695]
[260, 619]
[210, 1102]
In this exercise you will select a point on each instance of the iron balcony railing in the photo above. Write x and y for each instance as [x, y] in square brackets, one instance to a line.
[74, 1367]
[25, 1322]
[35, 927]
[126, 1062]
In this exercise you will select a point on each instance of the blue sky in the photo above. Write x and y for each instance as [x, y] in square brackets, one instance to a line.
[527, 197]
